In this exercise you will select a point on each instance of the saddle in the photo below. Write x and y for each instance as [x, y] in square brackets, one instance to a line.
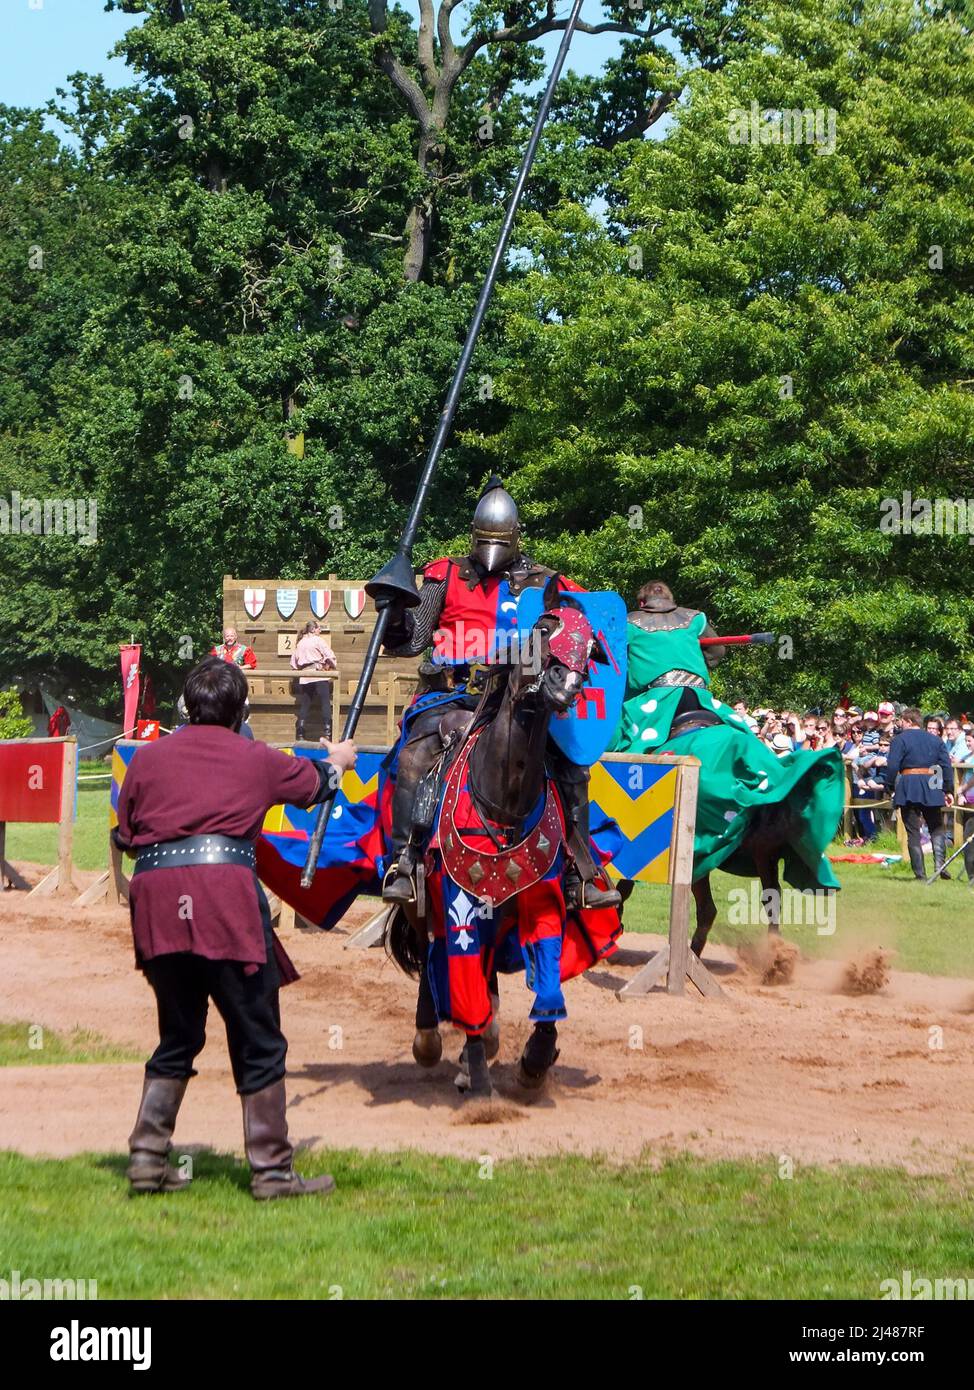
[692, 719]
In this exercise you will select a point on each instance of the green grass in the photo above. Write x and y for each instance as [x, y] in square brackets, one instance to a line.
[414, 1226]
[31, 1045]
[37, 844]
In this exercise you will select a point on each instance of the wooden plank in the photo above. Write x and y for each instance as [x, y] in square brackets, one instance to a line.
[47, 886]
[9, 877]
[65, 841]
[681, 876]
[648, 975]
[119, 881]
[373, 931]
[702, 978]
[96, 892]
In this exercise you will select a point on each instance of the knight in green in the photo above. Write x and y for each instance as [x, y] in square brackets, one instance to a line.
[752, 805]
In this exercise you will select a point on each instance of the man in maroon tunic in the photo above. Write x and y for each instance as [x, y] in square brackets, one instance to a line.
[191, 808]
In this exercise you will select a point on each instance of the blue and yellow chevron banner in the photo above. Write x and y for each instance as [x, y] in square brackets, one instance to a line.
[122, 755]
[640, 797]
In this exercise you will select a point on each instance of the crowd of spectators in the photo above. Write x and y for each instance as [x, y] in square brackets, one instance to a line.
[863, 738]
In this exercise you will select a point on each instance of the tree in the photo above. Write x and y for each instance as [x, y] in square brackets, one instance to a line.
[767, 340]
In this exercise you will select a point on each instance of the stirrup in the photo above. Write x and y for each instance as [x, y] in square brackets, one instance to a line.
[592, 896]
[390, 891]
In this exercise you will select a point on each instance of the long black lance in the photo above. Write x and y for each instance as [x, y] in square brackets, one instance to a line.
[396, 583]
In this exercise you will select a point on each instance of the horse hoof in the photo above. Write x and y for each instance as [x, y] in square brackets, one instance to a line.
[539, 1056]
[427, 1046]
[526, 1079]
[473, 1079]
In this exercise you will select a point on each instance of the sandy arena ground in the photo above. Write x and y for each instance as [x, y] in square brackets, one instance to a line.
[801, 1068]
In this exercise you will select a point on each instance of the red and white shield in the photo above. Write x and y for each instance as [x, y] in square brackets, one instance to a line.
[254, 601]
[354, 602]
[320, 600]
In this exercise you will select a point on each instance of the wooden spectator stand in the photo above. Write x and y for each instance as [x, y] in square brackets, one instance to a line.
[38, 783]
[346, 625]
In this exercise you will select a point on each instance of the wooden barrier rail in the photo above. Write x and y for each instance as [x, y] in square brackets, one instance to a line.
[958, 810]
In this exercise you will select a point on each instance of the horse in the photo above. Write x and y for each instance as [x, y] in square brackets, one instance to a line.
[769, 832]
[500, 751]
[771, 829]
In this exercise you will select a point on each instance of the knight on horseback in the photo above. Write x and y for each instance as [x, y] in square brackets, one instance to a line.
[753, 807]
[658, 612]
[467, 614]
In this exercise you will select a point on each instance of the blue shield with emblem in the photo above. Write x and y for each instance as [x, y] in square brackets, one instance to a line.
[585, 732]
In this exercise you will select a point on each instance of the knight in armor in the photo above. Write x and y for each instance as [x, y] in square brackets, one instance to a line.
[658, 612]
[467, 613]
[670, 710]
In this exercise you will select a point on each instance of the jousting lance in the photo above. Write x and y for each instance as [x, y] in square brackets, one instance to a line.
[396, 582]
[747, 639]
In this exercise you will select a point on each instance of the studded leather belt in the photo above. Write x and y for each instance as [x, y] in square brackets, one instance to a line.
[193, 850]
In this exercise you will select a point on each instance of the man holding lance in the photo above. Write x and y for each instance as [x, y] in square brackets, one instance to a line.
[468, 614]
[190, 811]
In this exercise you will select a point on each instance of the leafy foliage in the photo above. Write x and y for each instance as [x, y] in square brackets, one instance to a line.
[731, 412]
[13, 722]
[222, 271]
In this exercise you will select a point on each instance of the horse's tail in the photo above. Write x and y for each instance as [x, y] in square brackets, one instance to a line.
[404, 945]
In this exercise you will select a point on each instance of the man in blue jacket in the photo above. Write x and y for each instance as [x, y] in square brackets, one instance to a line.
[919, 766]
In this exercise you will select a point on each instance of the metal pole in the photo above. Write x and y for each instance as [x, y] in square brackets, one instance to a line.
[393, 579]
[937, 872]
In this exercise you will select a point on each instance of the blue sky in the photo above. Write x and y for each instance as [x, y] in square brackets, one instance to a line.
[43, 45]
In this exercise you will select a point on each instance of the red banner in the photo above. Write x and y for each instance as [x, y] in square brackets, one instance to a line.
[130, 656]
[147, 730]
[30, 782]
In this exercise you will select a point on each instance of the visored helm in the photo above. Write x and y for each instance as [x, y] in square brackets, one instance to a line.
[496, 535]
[656, 597]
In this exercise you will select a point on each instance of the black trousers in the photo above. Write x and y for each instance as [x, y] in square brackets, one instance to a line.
[248, 1004]
[306, 697]
[913, 812]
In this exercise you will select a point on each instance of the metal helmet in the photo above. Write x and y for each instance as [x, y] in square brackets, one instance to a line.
[655, 597]
[496, 535]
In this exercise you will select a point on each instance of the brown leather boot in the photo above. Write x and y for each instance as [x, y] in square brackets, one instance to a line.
[269, 1151]
[149, 1170]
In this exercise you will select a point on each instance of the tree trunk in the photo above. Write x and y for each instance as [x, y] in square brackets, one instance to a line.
[419, 223]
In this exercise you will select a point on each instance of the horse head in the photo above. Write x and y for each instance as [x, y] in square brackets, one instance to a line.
[558, 650]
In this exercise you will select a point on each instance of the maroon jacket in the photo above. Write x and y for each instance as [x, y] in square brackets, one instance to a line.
[204, 779]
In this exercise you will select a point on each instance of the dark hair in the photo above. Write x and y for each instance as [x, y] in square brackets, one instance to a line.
[912, 716]
[216, 693]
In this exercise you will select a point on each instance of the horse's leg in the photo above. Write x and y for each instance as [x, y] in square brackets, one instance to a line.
[427, 1044]
[766, 863]
[706, 913]
[474, 1077]
[492, 1033]
[539, 1056]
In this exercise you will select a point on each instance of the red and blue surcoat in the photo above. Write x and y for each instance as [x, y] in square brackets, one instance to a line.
[475, 625]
